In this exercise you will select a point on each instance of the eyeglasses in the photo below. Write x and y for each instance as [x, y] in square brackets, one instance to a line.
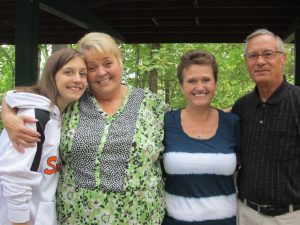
[267, 55]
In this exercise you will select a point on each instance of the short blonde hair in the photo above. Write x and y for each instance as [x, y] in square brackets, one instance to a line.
[100, 43]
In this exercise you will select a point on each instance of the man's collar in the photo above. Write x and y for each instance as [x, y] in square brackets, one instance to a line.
[276, 97]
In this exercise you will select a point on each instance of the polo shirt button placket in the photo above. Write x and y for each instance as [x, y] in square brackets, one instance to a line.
[264, 107]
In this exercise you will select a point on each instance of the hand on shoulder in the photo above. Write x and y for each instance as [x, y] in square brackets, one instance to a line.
[227, 109]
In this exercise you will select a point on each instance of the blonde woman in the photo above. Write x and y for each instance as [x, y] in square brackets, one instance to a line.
[110, 144]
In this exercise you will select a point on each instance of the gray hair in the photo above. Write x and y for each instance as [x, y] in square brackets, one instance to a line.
[279, 42]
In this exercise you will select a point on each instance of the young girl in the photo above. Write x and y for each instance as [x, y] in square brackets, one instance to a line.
[28, 180]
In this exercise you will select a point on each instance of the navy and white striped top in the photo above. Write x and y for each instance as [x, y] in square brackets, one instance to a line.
[199, 186]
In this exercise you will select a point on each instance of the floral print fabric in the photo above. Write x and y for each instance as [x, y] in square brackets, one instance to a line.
[140, 200]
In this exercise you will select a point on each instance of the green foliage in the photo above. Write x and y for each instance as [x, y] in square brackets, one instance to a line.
[140, 59]
[7, 71]
[233, 77]
[290, 64]
[7, 68]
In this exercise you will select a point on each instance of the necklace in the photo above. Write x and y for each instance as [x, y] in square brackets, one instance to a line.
[202, 134]
[199, 135]
[199, 129]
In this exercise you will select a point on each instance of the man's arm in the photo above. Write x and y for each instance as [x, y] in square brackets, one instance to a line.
[21, 136]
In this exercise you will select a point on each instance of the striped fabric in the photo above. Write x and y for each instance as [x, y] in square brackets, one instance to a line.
[199, 186]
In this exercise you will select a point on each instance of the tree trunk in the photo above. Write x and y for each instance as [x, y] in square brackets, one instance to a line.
[56, 47]
[167, 91]
[39, 60]
[153, 73]
[138, 81]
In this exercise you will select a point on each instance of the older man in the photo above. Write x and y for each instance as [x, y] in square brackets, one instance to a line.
[269, 176]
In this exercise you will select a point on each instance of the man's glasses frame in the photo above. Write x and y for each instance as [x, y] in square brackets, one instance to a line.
[266, 55]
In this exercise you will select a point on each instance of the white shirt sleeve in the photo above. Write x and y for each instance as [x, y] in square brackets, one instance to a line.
[16, 179]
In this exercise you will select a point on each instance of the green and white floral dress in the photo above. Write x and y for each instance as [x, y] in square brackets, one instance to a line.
[111, 173]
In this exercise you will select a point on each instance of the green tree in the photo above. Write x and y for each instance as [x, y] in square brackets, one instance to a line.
[7, 68]
[140, 60]
[7, 71]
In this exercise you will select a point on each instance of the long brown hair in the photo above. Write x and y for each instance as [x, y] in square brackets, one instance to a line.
[46, 86]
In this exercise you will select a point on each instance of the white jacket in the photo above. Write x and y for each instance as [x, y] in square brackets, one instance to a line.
[24, 194]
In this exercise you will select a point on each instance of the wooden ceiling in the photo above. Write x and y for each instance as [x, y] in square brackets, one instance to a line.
[155, 21]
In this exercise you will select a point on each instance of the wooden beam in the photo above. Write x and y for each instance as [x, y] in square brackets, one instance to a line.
[197, 21]
[235, 13]
[290, 34]
[154, 20]
[26, 42]
[188, 4]
[78, 14]
[293, 36]
[297, 56]
[289, 37]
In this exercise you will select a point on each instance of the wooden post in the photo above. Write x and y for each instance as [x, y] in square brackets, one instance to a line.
[26, 35]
